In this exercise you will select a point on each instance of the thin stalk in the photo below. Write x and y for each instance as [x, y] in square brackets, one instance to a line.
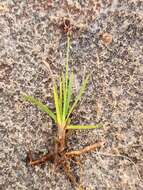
[66, 79]
[61, 138]
[67, 58]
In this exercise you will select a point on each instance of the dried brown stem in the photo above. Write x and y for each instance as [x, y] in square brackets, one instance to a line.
[61, 139]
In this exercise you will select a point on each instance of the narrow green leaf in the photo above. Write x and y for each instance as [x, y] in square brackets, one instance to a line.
[73, 127]
[40, 105]
[65, 99]
[56, 99]
[61, 96]
[77, 99]
[66, 81]
[69, 94]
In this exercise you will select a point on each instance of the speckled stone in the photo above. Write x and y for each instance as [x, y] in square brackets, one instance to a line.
[29, 33]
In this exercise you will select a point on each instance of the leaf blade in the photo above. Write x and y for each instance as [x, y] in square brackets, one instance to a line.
[83, 127]
[64, 98]
[61, 95]
[40, 105]
[66, 81]
[69, 94]
[56, 100]
[81, 91]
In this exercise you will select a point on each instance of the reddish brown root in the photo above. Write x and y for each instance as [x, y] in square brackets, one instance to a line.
[84, 150]
[69, 173]
[63, 159]
[43, 159]
[64, 156]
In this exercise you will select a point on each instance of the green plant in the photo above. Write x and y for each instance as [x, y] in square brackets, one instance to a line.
[63, 108]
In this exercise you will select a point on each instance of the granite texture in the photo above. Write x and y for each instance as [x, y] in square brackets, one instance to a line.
[107, 42]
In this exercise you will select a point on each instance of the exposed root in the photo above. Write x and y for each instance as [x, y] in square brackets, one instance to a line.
[63, 159]
[43, 159]
[69, 173]
[84, 150]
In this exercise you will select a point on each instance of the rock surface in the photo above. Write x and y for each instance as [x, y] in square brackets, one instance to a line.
[107, 42]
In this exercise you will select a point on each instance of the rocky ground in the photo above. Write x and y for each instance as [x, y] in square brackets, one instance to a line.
[107, 42]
